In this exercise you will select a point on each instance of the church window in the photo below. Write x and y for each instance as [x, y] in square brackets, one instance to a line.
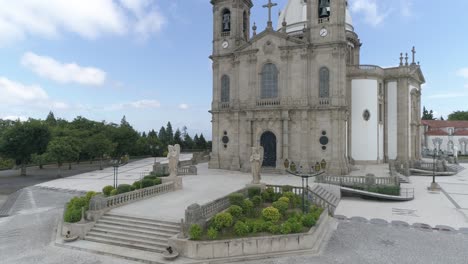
[366, 115]
[226, 21]
[324, 87]
[225, 87]
[324, 8]
[380, 113]
[269, 81]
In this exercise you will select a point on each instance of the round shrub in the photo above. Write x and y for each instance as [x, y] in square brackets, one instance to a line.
[256, 226]
[113, 192]
[157, 181]
[123, 188]
[285, 228]
[257, 200]
[107, 190]
[271, 214]
[253, 191]
[222, 220]
[241, 229]
[145, 183]
[268, 195]
[295, 225]
[212, 233]
[137, 185]
[195, 232]
[284, 199]
[235, 210]
[151, 177]
[274, 229]
[308, 220]
[266, 226]
[236, 199]
[88, 196]
[247, 207]
[287, 188]
[281, 206]
[294, 199]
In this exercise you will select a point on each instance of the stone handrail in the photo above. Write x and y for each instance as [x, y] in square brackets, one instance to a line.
[268, 102]
[279, 189]
[357, 180]
[317, 199]
[100, 202]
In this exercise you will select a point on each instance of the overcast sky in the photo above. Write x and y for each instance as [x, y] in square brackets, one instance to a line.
[148, 59]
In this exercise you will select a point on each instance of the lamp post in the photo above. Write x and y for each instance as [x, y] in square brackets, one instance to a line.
[434, 186]
[115, 164]
[305, 183]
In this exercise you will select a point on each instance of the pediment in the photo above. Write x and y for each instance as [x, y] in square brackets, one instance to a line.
[417, 74]
[270, 39]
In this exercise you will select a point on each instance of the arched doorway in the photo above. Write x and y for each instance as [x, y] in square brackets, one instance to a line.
[268, 142]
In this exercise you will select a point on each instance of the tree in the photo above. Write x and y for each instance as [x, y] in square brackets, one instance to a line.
[196, 142]
[169, 134]
[188, 142]
[22, 140]
[427, 115]
[162, 136]
[202, 142]
[62, 149]
[98, 146]
[442, 118]
[458, 115]
[178, 138]
[50, 120]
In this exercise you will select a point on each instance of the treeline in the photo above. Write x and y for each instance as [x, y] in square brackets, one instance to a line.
[60, 141]
[454, 116]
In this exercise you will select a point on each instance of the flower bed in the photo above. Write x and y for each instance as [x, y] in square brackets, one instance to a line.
[259, 214]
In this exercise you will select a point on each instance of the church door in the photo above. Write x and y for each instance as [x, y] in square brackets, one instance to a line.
[268, 142]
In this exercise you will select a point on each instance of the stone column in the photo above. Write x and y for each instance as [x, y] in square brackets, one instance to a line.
[403, 119]
[235, 163]
[214, 156]
[285, 120]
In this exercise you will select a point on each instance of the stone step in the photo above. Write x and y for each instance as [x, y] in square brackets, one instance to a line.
[148, 237]
[5, 210]
[134, 227]
[129, 240]
[118, 229]
[157, 249]
[157, 221]
[139, 224]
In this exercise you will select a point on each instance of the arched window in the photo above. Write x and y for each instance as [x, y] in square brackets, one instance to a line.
[225, 89]
[226, 21]
[269, 81]
[245, 25]
[324, 88]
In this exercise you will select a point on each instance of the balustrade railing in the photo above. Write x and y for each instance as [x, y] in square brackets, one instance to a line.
[100, 202]
[268, 102]
[324, 101]
[189, 170]
[357, 180]
[225, 105]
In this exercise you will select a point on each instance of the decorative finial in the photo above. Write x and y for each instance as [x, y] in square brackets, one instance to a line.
[401, 59]
[406, 59]
[414, 52]
[269, 6]
[254, 28]
[304, 30]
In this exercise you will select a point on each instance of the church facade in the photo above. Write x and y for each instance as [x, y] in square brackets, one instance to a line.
[301, 93]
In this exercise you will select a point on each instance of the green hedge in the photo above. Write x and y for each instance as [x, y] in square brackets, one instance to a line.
[389, 190]
[73, 210]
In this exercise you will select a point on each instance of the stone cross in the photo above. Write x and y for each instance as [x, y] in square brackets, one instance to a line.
[414, 52]
[270, 5]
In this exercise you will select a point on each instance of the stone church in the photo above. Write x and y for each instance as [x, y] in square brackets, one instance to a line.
[300, 91]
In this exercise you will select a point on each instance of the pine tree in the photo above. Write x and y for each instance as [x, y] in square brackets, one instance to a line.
[169, 134]
[202, 142]
[162, 136]
[178, 138]
[427, 115]
[50, 120]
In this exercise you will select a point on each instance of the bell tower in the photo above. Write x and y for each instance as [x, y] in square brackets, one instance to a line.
[231, 24]
[327, 20]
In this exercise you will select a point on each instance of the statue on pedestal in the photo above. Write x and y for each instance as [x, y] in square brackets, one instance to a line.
[256, 160]
[173, 159]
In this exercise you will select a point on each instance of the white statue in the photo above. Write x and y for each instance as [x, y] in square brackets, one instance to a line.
[256, 160]
[455, 151]
[173, 159]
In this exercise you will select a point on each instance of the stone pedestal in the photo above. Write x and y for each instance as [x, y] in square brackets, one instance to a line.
[434, 187]
[178, 184]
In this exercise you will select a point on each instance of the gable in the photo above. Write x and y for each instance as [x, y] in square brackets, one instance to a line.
[270, 39]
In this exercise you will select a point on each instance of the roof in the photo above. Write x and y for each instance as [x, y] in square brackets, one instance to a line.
[437, 132]
[443, 123]
[460, 133]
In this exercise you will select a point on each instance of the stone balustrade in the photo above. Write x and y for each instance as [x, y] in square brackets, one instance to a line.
[358, 180]
[188, 170]
[268, 102]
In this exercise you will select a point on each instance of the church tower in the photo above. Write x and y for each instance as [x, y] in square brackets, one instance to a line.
[231, 24]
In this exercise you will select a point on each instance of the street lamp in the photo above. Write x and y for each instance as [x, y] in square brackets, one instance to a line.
[305, 184]
[115, 164]
[434, 185]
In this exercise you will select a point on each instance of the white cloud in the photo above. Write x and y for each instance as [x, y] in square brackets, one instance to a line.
[406, 8]
[371, 11]
[463, 72]
[14, 118]
[184, 106]
[48, 67]
[14, 93]
[89, 19]
[447, 95]
[140, 104]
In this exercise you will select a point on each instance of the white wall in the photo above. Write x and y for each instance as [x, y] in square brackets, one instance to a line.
[392, 124]
[364, 138]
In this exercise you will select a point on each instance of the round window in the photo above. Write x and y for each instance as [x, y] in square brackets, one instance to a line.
[324, 140]
[225, 139]
[366, 115]
[324, 133]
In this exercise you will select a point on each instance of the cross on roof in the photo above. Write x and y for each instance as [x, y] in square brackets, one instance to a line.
[270, 5]
[414, 52]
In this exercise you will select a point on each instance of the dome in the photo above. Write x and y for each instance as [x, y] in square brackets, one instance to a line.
[349, 20]
[295, 15]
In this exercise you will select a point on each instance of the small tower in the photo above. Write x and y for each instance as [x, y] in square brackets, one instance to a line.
[327, 20]
[231, 24]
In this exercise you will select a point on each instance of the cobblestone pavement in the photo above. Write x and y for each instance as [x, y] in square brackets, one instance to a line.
[26, 237]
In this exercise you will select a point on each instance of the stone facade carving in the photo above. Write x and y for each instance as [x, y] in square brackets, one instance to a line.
[256, 160]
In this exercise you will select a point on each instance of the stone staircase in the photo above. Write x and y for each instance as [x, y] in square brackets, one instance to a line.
[133, 232]
[328, 199]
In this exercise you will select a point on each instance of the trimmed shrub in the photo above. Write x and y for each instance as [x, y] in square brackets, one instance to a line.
[254, 191]
[236, 199]
[113, 192]
[222, 220]
[151, 177]
[285, 228]
[195, 232]
[107, 190]
[145, 183]
[241, 229]
[157, 181]
[247, 207]
[281, 206]
[389, 190]
[257, 201]
[271, 214]
[137, 185]
[212, 233]
[284, 199]
[294, 199]
[308, 220]
[235, 210]
[295, 225]
[73, 211]
[123, 188]
[274, 229]
[268, 195]
[132, 188]
[256, 226]
[287, 188]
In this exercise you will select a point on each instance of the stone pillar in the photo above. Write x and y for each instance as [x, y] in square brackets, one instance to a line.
[235, 163]
[304, 147]
[214, 155]
[403, 119]
[193, 215]
[285, 120]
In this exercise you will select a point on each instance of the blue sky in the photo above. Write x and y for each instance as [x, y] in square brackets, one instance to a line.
[148, 59]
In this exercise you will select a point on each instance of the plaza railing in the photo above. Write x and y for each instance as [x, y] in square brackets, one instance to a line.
[357, 181]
